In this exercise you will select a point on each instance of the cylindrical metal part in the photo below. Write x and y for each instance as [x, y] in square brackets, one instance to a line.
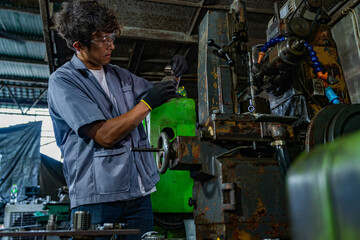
[81, 220]
[51, 225]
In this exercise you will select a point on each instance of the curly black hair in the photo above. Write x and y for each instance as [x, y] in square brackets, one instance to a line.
[79, 20]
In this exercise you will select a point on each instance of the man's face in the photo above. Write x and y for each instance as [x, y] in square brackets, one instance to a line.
[99, 52]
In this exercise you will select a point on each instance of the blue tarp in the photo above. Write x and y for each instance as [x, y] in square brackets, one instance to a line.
[20, 158]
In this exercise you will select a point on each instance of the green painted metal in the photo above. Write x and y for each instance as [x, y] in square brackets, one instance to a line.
[175, 187]
[323, 191]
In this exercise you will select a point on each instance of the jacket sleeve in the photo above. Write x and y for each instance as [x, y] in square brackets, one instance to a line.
[69, 103]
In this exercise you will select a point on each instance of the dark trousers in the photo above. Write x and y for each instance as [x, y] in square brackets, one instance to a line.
[136, 213]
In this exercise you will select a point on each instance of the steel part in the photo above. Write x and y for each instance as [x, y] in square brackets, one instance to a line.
[252, 213]
[292, 51]
[230, 189]
[252, 88]
[225, 90]
[147, 149]
[278, 143]
[208, 88]
[261, 106]
[300, 27]
[168, 70]
[152, 236]
[107, 226]
[331, 122]
[82, 220]
[317, 87]
[239, 21]
[162, 158]
[346, 121]
[313, 5]
[318, 127]
[51, 225]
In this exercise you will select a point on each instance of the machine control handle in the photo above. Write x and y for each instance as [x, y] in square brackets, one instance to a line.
[221, 52]
[192, 203]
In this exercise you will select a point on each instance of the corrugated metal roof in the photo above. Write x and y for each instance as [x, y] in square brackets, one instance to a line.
[20, 23]
[23, 70]
[27, 50]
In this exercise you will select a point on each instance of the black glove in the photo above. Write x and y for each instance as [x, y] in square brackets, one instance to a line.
[160, 93]
[178, 65]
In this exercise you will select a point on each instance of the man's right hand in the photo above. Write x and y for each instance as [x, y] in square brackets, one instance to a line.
[160, 93]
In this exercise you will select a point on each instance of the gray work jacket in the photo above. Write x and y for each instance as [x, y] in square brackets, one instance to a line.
[95, 174]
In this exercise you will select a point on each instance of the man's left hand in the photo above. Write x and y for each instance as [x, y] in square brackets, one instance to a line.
[178, 65]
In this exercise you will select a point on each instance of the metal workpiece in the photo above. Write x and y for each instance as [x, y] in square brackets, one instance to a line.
[330, 123]
[82, 220]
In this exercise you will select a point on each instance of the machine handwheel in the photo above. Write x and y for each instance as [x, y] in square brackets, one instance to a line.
[162, 157]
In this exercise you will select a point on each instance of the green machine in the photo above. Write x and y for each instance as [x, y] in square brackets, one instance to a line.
[175, 118]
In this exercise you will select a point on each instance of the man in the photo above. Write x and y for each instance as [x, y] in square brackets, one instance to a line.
[97, 110]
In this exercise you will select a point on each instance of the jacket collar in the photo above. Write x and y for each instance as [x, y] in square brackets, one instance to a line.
[77, 63]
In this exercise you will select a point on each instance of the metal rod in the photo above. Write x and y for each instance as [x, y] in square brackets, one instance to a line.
[147, 149]
[36, 101]
[14, 99]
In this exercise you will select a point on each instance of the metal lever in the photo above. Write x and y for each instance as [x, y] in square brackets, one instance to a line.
[221, 52]
[147, 149]
[162, 152]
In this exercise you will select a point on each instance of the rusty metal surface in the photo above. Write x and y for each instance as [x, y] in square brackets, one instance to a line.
[213, 26]
[259, 207]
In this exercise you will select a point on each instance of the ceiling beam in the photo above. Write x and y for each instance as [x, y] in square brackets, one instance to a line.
[12, 7]
[210, 7]
[14, 99]
[135, 56]
[42, 82]
[23, 60]
[26, 87]
[195, 17]
[45, 17]
[36, 101]
[157, 35]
